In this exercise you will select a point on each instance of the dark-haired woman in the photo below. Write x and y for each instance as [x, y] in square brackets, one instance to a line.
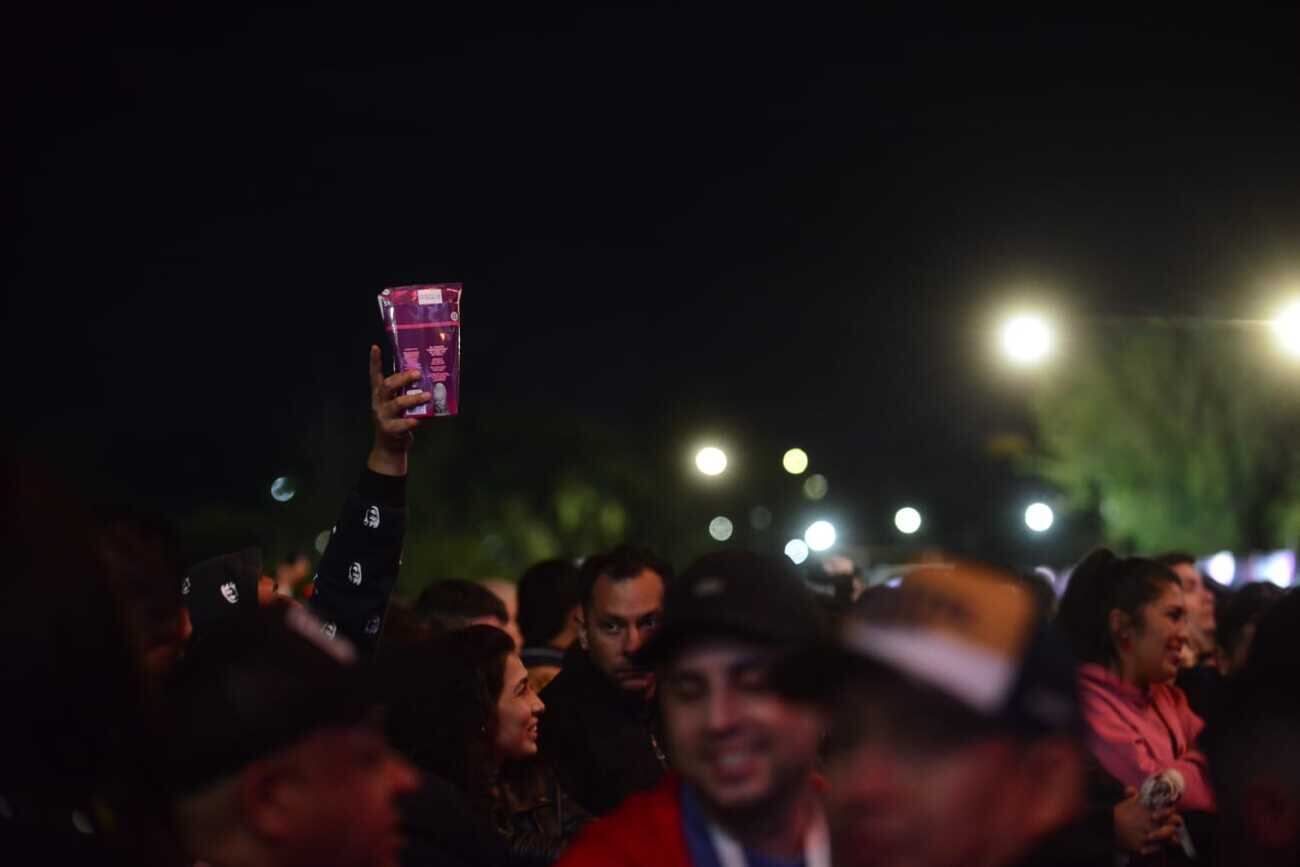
[1127, 622]
[461, 708]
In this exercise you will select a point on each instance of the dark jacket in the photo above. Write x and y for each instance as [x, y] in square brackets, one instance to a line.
[536, 817]
[442, 830]
[600, 740]
[358, 570]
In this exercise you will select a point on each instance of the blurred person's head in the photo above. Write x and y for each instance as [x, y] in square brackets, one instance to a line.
[549, 605]
[836, 583]
[955, 724]
[272, 752]
[1198, 597]
[1253, 745]
[460, 706]
[1126, 614]
[746, 747]
[454, 604]
[622, 594]
[508, 593]
[140, 557]
[1237, 621]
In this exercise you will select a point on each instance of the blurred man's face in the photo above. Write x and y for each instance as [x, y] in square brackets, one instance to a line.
[337, 803]
[899, 809]
[740, 744]
[620, 619]
[1200, 606]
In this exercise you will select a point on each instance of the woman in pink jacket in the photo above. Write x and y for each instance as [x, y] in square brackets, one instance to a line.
[1128, 624]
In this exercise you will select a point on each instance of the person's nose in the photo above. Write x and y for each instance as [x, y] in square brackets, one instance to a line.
[538, 706]
[722, 710]
[634, 640]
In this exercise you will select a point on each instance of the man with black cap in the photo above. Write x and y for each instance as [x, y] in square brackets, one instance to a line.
[271, 753]
[954, 730]
[745, 789]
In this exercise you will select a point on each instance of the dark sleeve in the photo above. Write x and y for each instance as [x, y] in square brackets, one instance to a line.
[563, 746]
[359, 567]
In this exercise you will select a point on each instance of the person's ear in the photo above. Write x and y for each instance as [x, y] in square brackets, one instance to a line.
[1053, 776]
[1121, 627]
[580, 620]
[271, 798]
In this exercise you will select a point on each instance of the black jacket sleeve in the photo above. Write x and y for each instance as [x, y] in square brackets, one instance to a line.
[359, 567]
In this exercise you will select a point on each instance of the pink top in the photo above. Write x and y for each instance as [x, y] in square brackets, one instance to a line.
[1135, 733]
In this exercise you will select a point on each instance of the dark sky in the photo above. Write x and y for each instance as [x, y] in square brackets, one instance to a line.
[784, 226]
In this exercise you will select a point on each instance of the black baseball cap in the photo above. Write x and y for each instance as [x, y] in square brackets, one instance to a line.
[251, 686]
[740, 594]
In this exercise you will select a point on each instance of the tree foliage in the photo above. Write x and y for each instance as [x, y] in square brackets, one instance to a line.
[1180, 439]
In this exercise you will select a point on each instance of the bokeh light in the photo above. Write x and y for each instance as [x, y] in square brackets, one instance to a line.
[711, 461]
[1222, 567]
[820, 535]
[795, 461]
[283, 489]
[796, 550]
[1039, 517]
[760, 517]
[1286, 325]
[815, 486]
[720, 528]
[1026, 339]
[907, 520]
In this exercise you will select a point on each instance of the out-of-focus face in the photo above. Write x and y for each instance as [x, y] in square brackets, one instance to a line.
[739, 743]
[518, 712]
[617, 623]
[508, 593]
[338, 801]
[1200, 606]
[1152, 651]
[889, 806]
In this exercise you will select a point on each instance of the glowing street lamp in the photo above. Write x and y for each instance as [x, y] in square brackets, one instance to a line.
[795, 461]
[1026, 339]
[820, 535]
[796, 550]
[1039, 517]
[711, 461]
[907, 520]
[1286, 326]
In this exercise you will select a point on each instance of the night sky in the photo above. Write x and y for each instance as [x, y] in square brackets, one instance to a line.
[778, 228]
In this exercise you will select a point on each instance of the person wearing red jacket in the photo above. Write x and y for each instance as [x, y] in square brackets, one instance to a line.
[745, 788]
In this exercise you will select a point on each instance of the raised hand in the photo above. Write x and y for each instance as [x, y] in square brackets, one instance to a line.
[393, 432]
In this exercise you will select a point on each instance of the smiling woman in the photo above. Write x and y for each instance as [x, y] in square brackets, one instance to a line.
[1127, 620]
[460, 707]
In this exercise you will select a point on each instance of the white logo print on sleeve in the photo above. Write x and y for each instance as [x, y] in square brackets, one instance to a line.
[372, 625]
[185, 586]
[354, 573]
[230, 591]
[329, 630]
[371, 518]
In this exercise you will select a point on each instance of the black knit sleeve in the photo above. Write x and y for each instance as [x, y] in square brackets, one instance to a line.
[359, 567]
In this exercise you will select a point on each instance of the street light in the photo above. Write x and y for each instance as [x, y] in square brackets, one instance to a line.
[1026, 339]
[907, 520]
[820, 535]
[796, 550]
[1039, 517]
[795, 461]
[1286, 325]
[711, 461]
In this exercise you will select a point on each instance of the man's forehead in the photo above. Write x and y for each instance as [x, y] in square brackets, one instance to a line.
[709, 654]
[632, 597]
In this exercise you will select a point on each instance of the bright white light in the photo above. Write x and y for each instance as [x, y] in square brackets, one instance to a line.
[820, 535]
[1026, 339]
[711, 461]
[795, 461]
[907, 520]
[815, 486]
[282, 489]
[1286, 325]
[1222, 567]
[1039, 517]
[720, 528]
[796, 550]
[1278, 567]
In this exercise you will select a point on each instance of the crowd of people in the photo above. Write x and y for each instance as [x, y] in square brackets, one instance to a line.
[616, 711]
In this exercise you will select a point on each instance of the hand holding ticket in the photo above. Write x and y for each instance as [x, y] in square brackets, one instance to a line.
[1164, 789]
[423, 326]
